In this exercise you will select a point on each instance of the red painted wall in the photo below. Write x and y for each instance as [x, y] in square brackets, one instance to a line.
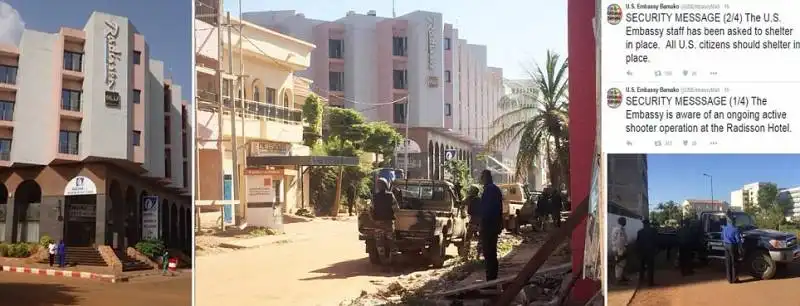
[583, 124]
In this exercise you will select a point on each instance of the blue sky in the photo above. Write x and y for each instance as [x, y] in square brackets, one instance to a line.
[518, 33]
[166, 25]
[680, 176]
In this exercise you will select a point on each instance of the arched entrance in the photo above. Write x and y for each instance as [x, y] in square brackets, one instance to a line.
[115, 216]
[163, 221]
[80, 212]
[3, 211]
[430, 159]
[132, 223]
[173, 226]
[27, 199]
[182, 237]
[187, 243]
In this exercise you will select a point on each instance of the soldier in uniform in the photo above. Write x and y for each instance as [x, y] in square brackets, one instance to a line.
[384, 205]
[473, 202]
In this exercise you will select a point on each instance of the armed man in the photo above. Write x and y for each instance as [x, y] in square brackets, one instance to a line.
[647, 246]
[384, 204]
[473, 202]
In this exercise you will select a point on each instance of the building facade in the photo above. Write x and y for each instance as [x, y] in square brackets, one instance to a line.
[442, 87]
[697, 206]
[523, 91]
[259, 66]
[627, 185]
[90, 131]
[791, 196]
[745, 197]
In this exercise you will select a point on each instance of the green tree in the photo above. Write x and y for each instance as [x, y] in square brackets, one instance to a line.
[347, 126]
[540, 122]
[460, 174]
[312, 114]
[771, 208]
[382, 139]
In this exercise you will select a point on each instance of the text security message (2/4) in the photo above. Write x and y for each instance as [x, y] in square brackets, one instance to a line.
[700, 77]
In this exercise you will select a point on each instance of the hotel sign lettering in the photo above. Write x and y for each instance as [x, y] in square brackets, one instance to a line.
[431, 43]
[113, 57]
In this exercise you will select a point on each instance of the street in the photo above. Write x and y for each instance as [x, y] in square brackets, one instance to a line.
[328, 265]
[19, 289]
[709, 287]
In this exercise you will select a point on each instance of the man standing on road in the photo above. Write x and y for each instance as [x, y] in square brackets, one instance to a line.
[686, 248]
[351, 199]
[51, 251]
[647, 247]
[473, 202]
[384, 204]
[542, 209]
[491, 223]
[732, 240]
[619, 245]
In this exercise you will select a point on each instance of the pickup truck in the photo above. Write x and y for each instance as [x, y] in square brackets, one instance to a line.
[764, 251]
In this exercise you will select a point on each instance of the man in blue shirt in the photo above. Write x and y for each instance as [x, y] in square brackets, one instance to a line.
[491, 223]
[732, 239]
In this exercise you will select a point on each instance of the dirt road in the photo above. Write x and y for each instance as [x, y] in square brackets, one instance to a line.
[20, 289]
[327, 266]
[709, 287]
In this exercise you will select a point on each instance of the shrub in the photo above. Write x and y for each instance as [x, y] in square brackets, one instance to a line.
[45, 241]
[4, 247]
[18, 250]
[150, 248]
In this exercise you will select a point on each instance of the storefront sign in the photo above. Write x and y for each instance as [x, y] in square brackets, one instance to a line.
[80, 185]
[269, 148]
[150, 210]
[431, 43]
[113, 57]
[259, 188]
[81, 212]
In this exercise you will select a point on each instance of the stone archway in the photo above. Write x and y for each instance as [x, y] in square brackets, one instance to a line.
[287, 98]
[436, 159]
[256, 89]
[430, 159]
[133, 232]
[115, 216]
[173, 226]
[3, 211]
[25, 223]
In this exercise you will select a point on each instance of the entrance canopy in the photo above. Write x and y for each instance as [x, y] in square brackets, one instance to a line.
[259, 161]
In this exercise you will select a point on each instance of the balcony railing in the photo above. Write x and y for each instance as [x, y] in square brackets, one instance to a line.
[262, 110]
[5, 155]
[68, 148]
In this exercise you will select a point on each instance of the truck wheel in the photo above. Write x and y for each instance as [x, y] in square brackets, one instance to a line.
[437, 252]
[761, 265]
[372, 250]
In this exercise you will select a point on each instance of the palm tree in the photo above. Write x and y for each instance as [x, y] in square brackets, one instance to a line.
[539, 120]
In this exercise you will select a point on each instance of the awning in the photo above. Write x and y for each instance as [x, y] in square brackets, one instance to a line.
[260, 161]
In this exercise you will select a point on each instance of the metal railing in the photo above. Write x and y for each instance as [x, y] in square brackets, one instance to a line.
[5, 155]
[68, 148]
[251, 109]
[71, 105]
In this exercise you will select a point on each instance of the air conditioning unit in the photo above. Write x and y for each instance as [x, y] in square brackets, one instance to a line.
[372, 13]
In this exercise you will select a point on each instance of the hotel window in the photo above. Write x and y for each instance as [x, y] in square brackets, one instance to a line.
[270, 92]
[167, 163]
[447, 43]
[137, 138]
[286, 99]
[73, 61]
[448, 76]
[335, 48]
[6, 110]
[137, 96]
[400, 113]
[448, 109]
[71, 100]
[68, 142]
[137, 57]
[399, 46]
[400, 79]
[8, 74]
[5, 149]
[336, 81]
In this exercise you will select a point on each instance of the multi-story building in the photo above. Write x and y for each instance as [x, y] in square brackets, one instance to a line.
[792, 196]
[258, 65]
[697, 206]
[522, 91]
[90, 131]
[627, 185]
[443, 88]
[745, 197]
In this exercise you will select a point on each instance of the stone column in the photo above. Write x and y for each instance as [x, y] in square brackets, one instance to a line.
[100, 220]
[10, 230]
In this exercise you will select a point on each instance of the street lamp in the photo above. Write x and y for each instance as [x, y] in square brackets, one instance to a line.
[711, 178]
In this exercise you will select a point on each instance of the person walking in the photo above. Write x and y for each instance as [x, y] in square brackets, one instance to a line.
[686, 248]
[51, 252]
[491, 223]
[164, 262]
[556, 205]
[619, 245]
[473, 202]
[61, 251]
[732, 240]
[647, 247]
[351, 199]
[542, 209]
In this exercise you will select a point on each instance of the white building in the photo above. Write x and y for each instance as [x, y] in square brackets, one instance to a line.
[627, 185]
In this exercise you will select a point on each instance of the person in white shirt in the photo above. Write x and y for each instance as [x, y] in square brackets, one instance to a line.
[51, 250]
[619, 245]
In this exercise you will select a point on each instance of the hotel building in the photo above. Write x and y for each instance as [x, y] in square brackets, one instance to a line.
[92, 135]
[446, 93]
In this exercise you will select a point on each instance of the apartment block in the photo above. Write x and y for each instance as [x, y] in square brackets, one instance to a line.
[627, 185]
[446, 93]
[90, 129]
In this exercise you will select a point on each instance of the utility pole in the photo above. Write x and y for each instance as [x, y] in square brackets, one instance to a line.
[220, 101]
[408, 140]
[234, 147]
[394, 14]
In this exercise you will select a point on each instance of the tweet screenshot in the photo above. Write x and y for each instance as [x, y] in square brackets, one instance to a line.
[699, 76]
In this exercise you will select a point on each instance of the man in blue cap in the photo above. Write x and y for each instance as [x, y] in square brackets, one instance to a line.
[732, 240]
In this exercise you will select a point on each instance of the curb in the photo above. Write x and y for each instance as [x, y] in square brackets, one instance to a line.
[65, 273]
